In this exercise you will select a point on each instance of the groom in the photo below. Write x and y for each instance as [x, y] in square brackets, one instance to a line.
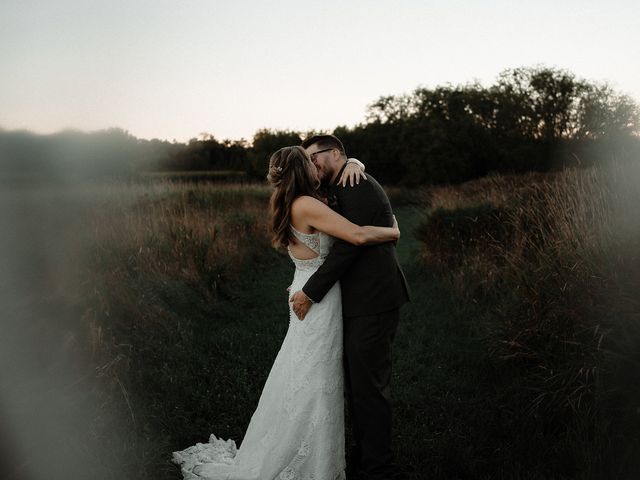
[373, 289]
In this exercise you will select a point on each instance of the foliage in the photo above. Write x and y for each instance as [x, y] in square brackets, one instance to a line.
[209, 154]
[166, 263]
[265, 143]
[531, 119]
[551, 264]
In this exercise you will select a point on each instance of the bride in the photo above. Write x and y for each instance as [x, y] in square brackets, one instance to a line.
[297, 429]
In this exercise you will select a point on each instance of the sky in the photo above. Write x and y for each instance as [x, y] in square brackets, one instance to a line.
[178, 69]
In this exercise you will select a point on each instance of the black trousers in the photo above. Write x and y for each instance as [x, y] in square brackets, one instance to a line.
[367, 361]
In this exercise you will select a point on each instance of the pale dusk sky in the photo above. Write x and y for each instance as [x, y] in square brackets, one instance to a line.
[174, 69]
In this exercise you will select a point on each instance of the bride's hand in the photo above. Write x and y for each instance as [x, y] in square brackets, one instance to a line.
[395, 225]
[352, 172]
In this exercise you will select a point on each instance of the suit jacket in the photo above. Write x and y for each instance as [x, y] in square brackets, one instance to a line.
[370, 276]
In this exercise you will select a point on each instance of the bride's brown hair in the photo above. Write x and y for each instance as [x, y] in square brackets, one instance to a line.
[291, 174]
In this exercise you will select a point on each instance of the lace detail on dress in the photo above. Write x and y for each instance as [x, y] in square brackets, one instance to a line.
[216, 450]
[311, 240]
[318, 242]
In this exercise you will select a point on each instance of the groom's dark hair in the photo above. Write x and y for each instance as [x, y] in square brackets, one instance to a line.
[325, 141]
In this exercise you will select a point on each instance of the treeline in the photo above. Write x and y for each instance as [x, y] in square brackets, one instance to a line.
[72, 153]
[530, 119]
[115, 152]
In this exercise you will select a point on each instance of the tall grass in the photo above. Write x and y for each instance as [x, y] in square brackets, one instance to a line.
[164, 256]
[181, 308]
[552, 262]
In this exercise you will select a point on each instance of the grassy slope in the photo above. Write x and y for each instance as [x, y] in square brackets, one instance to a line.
[453, 414]
[184, 366]
[243, 339]
[454, 411]
[438, 370]
[442, 413]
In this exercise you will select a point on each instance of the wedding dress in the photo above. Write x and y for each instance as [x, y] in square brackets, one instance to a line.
[297, 430]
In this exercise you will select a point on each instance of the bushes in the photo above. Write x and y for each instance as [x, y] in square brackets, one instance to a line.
[546, 263]
[453, 235]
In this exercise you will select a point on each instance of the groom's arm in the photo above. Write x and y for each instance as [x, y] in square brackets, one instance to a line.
[359, 204]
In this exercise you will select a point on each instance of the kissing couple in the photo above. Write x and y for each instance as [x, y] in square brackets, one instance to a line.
[339, 229]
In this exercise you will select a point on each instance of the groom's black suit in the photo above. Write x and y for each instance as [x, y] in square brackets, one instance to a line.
[373, 288]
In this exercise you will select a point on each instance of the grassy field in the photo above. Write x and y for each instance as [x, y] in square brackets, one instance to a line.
[158, 309]
[206, 176]
[543, 269]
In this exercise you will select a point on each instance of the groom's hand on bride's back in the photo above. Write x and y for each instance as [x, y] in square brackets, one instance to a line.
[300, 303]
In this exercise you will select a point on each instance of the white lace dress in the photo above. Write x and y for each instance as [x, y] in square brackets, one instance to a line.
[297, 430]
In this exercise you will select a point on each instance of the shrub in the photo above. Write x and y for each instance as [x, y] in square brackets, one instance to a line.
[552, 262]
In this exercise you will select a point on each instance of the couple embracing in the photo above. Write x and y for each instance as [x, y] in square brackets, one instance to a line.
[339, 229]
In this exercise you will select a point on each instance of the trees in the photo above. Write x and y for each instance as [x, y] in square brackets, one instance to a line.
[532, 118]
[266, 142]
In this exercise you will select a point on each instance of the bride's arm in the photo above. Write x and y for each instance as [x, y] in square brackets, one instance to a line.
[317, 215]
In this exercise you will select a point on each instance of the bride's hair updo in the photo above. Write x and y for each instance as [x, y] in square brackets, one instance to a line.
[291, 174]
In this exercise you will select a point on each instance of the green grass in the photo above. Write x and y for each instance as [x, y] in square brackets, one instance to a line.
[454, 417]
[541, 336]
[179, 305]
[447, 424]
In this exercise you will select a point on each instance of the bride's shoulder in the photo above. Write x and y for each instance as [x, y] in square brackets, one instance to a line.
[304, 203]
